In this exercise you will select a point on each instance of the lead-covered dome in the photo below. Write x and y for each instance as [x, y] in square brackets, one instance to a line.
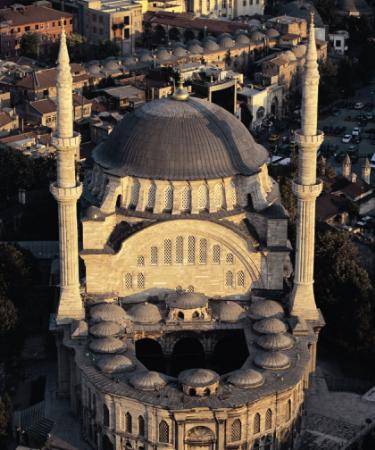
[148, 381]
[263, 309]
[198, 377]
[145, 313]
[246, 378]
[270, 326]
[115, 364]
[187, 300]
[180, 140]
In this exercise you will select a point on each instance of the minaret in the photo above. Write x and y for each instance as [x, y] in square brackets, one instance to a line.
[67, 191]
[306, 188]
[346, 168]
[366, 171]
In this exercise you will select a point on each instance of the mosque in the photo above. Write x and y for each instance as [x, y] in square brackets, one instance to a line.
[181, 333]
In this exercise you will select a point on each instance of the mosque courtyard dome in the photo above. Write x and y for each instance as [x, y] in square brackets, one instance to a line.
[180, 140]
[187, 300]
[246, 378]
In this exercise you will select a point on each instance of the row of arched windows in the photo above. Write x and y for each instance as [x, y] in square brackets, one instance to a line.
[231, 281]
[131, 282]
[128, 422]
[236, 426]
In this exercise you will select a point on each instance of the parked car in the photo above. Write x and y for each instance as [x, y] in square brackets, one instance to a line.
[356, 131]
[358, 105]
[346, 139]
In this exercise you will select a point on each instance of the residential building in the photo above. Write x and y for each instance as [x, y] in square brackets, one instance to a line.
[124, 98]
[9, 121]
[19, 19]
[339, 41]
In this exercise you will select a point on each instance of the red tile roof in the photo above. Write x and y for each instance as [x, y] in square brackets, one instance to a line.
[45, 78]
[31, 14]
[44, 106]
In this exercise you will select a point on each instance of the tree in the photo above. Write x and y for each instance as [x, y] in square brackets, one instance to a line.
[30, 45]
[5, 416]
[8, 315]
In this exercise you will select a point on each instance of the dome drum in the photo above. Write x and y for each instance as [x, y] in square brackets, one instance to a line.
[188, 307]
[199, 382]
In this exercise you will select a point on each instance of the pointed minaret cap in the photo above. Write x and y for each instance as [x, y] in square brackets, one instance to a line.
[311, 53]
[366, 163]
[347, 159]
[63, 57]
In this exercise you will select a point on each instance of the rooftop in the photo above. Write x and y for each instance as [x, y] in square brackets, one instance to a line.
[23, 15]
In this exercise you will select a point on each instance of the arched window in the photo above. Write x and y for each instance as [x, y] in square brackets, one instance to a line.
[256, 424]
[140, 261]
[185, 199]
[167, 251]
[236, 430]
[128, 423]
[195, 315]
[180, 315]
[154, 256]
[202, 197]
[140, 280]
[219, 196]
[105, 415]
[216, 254]
[268, 420]
[207, 392]
[191, 249]
[190, 289]
[128, 281]
[163, 432]
[288, 414]
[230, 258]
[233, 193]
[151, 196]
[229, 279]
[203, 251]
[241, 278]
[141, 426]
[134, 194]
[179, 250]
[168, 198]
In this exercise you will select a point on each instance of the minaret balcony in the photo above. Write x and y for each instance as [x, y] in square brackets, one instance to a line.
[66, 195]
[307, 192]
[306, 141]
[68, 143]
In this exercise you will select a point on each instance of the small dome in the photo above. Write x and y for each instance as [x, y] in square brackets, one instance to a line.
[93, 213]
[254, 23]
[111, 64]
[145, 313]
[148, 381]
[130, 61]
[274, 342]
[106, 329]
[194, 42]
[299, 51]
[242, 39]
[107, 345]
[163, 55]
[226, 42]
[187, 300]
[224, 35]
[198, 377]
[115, 364]
[94, 68]
[145, 56]
[272, 33]
[211, 46]
[246, 378]
[195, 49]
[272, 360]
[108, 312]
[257, 36]
[230, 311]
[290, 55]
[270, 326]
[265, 308]
[179, 52]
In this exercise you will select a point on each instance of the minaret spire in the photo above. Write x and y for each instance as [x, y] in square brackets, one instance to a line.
[306, 187]
[67, 191]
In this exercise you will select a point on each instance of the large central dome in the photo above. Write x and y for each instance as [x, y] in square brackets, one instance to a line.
[180, 140]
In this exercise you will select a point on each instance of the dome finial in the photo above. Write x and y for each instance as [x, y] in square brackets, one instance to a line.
[180, 93]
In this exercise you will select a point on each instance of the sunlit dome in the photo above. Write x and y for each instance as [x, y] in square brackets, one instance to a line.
[270, 326]
[145, 313]
[263, 309]
[246, 378]
[115, 364]
[230, 311]
[108, 312]
[107, 345]
[187, 300]
[106, 329]
[272, 360]
[278, 341]
[148, 381]
[198, 377]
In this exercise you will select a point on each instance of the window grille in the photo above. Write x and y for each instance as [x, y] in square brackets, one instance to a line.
[241, 278]
[163, 432]
[128, 281]
[203, 251]
[128, 423]
[218, 196]
[141, 426]
[185, 199]
[268, 420]
[190, 289]
[191, 249]
[230, 258]
[134, 194]
[168, 198]
[256, 424]
[179, 250]
[233, 193]
[151, 196]
[140, 261]
[154, 256]
[229, 279]
[202, 197]
[216, 254]
[140, 280]
[167, 251]
[236, 430]
[288, 410]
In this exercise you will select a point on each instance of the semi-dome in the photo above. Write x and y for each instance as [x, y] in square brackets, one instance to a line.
[263, 309]
[115, 364]
[148, 380]
[145, 57]
[274, 342]
[180, 140]
[272, 360]
[108, 312]
[145, 313]
[106, 329]
[107, 345]
[230, 311]
[246, 378]
[242, 39]
[271, 325]
[187, 300]
[198, 377]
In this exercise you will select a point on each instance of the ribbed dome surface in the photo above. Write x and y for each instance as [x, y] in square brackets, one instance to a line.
[107, 312]
[275, 341]
[106, 329]
[230, 311]
[148, 381]
[270, 326]
[107, 345]
[115, 364]
[272, 360]
[265, 308]
[187, 300]
[180, 140]
[272, 33]
[198, 377]
[145, 313]
[246, 378]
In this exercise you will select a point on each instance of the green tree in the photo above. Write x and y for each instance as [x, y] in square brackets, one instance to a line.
[30, 43]
[5, 416]
[8, 315]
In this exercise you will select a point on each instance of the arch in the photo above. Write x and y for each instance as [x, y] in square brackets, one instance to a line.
[187, 353]
[179, 250]
[236, 430]
[233, 193]
[151, 195]
[219, 196]
[141, 426]
[154, 256]
[128, 281]
[167, 251]
[163, 432]
[275, 107]
[150, 353]
[241, 278]
[128, 423]
[190, 288]
[168, 198]
[229, 282]
[105, 415]
[207, 392]
[229, 258]
[185, 199]
[200, 435]
[106, 443]
[128, 445]
[140, 261]
[140, 281]
[192, 392]
[134, 194]
[180, 315]
[191, 249]
[119, 201]
[256, 423]
[288, 414]
[216, 254]
[224, 357]
[202, 197]
[203, 251]
[195, 315]
[268, 420]
[260, 113]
